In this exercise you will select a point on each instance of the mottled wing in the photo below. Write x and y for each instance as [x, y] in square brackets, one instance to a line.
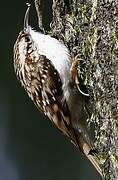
[53, 103]
[41, 81]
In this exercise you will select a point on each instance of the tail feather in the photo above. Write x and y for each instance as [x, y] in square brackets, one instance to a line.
[92, 158]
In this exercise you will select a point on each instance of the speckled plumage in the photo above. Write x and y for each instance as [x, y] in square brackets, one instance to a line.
[42, 65]
[40, 79]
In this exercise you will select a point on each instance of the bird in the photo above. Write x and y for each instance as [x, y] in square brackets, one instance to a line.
[45, 69]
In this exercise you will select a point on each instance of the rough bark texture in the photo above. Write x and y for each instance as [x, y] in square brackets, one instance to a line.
[92, 27]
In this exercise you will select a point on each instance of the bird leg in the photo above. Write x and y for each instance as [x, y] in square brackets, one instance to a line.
[74, 70]
[74, 66]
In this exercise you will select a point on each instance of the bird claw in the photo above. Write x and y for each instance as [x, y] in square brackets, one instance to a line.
[74, 70]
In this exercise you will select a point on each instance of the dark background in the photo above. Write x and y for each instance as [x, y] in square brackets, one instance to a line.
[30, 147]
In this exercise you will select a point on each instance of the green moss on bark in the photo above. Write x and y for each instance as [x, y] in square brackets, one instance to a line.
[92, 27]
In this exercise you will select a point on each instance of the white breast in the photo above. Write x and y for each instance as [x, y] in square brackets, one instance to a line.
[55, 51]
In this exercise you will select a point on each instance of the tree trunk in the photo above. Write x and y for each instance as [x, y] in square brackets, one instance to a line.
[92, 27]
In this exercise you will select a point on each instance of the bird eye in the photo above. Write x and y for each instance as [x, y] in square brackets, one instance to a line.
[27, 39]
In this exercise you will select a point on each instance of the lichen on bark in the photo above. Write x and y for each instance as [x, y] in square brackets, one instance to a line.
[92, 26]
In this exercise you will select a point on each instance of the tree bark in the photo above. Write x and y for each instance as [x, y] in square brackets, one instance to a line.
[92, 27]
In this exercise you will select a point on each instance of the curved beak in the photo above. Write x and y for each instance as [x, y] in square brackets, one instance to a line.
[26, 18]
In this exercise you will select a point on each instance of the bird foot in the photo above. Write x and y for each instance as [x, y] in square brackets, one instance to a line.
[74, 70]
